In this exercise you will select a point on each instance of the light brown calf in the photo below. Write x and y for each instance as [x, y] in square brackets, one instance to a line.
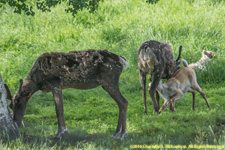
[175, 88]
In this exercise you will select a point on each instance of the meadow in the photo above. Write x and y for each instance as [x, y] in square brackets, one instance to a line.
[120, 26]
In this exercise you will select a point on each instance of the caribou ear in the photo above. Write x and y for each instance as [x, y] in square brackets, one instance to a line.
[9, 96]
[179, 55]
[20, 88]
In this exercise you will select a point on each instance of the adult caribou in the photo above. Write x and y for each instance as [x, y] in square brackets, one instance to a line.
[155, 58]
[55, 71]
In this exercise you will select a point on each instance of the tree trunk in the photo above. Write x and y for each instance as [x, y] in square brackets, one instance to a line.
[6, 121]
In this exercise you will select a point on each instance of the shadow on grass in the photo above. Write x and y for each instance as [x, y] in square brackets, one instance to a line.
[36, 136]
[78, 137]
[75, 138]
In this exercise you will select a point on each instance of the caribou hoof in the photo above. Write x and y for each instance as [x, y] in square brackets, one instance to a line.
[60, 134]
[120, 135]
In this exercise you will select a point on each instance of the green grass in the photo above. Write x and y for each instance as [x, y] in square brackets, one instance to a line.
[121, 27]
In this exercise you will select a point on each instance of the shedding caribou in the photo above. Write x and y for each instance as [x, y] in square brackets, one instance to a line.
[155, 58]
[55, 71]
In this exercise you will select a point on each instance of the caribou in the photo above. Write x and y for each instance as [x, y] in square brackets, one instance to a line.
[55, 71]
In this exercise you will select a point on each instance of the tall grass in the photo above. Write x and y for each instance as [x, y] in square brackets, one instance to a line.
[118, 26]
[121, 27]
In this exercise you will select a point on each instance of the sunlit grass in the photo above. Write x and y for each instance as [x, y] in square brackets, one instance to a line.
[121, 27]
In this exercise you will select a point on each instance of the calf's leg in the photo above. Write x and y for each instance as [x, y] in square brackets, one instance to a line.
[164, 106]
[197, 88]
[171, 101]
[204, 96]
[193, 96]
[176, 97]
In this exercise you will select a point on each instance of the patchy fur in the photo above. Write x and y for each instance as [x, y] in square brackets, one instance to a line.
[88, 69]
[72, 69]
[157, 54]
[155, 58]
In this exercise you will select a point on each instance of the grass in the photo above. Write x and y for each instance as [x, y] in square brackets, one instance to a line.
[121, 27]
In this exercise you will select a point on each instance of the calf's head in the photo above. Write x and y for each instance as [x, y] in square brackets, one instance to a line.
[18, 103]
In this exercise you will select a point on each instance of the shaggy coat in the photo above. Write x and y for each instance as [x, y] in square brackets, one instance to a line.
[155, 58]
[55, 71]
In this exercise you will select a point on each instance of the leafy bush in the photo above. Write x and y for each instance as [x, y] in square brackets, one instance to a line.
[19, 6]
[152, 1]
[45, 5]
[75, 5]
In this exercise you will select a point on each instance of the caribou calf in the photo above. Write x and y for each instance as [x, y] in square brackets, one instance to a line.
[155, 58]
[55, 71]
[175, 88]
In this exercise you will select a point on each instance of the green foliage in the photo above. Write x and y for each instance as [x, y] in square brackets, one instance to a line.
[121, 27]
[45, 5]
[75, 5]
[19, 6]
[152, 1]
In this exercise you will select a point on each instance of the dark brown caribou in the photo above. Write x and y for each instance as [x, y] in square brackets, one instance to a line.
[155, 58]
[55, 71]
